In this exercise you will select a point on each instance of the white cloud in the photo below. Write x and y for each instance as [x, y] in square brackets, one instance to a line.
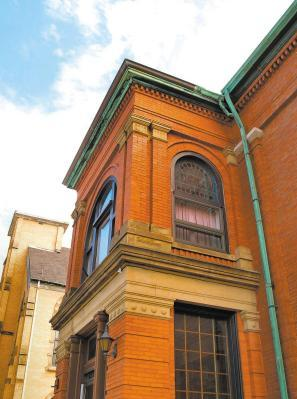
[203, 41]
[52, 33]
[59, 52]
[86, 12]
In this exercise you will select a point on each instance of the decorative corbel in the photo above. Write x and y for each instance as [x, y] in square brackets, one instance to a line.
[79, 210]
[251, 321]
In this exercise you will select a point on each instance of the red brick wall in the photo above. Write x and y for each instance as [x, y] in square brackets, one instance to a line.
[273, 109]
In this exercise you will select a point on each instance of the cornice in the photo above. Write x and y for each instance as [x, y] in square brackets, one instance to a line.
[263, 78]
[182, 103]
[132, 256]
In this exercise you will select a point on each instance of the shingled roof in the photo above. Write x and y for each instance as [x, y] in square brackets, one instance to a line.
[48, 266]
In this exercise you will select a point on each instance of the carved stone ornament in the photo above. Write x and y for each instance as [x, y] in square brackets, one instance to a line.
[250, 321]
[80, 208]
[230, 156]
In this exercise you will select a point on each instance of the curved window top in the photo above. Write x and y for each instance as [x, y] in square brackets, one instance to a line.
[195, 180]
[101, 229]
[199, 208]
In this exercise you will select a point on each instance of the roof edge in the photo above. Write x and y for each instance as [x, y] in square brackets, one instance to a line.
[27, 216]
[264, 45]
[119, 87]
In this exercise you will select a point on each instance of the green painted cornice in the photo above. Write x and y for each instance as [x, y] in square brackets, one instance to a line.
[132, 72]
[269, 47]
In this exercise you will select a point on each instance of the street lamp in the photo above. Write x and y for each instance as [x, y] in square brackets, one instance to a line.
[105, 342]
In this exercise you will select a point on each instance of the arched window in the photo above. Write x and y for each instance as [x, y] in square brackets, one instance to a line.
[101, 229]
[198, 202]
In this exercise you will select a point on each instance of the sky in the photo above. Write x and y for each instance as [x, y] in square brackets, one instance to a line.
[58, 58]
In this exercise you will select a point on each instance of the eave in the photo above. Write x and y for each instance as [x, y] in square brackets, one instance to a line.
[269, 47]
[129, 73]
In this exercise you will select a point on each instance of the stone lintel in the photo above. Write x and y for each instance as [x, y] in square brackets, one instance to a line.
[254, 133]
[250, 321]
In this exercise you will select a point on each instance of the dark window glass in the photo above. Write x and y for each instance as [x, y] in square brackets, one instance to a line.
[88, 385]
[203, 362]
[101, 229]
[91, 348]
[199, 209]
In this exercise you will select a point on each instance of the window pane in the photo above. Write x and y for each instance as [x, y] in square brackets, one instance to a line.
[89, 262]
[194, 381]
[197, 214]
[209, 382]
[195, 179]
[180, 380]
[207, 343]
[103, 243]
[198, 204]
[208, 363]
[192, 341]
[193, 361]
[105, 201]
[179, 320]
[209, 240]
[206, 325]
[202, 356]
[89, 392]
[180, 362]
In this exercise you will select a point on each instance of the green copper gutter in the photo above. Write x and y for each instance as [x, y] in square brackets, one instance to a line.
[197, 93]
[263, 250]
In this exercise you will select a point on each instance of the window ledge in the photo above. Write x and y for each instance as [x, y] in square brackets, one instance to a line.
[203, 251]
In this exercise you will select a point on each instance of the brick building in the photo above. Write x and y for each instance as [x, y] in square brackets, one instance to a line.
[165, 247]
[31, 290]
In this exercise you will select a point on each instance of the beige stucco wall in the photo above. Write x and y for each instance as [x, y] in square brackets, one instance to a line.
[25, 230]
[40, 376]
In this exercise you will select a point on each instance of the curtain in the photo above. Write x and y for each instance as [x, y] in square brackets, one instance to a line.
[200, 215]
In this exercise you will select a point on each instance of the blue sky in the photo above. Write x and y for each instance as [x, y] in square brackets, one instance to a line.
[58, 58]
[30, 37]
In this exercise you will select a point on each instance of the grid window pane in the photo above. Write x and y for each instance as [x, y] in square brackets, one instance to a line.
[193, 361]
[180, 361]
[201, 357]
[180, 380]
[192, 341]
[194, 381]
[194, 395]
[221, 364]
[206, 325]
[179, 339]
[206, 343]
[192, 323]
[208, 363]
[179, 321]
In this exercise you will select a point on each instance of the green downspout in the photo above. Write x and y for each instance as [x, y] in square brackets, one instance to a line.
[263, 250]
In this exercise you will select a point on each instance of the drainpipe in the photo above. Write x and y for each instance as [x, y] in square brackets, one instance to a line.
[263, 249]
